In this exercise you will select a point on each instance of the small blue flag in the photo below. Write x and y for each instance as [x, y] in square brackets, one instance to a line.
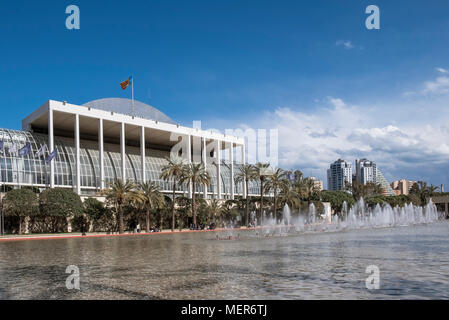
[25, 150]
[51, 156]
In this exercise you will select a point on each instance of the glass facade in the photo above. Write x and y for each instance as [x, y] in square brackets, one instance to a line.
[31, 170]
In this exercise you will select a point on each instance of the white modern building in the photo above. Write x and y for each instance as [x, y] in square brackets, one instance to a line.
[366, 171]
[338, 174]
[110, 139]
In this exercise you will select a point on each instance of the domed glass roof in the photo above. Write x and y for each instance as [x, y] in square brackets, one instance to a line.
[124, 106]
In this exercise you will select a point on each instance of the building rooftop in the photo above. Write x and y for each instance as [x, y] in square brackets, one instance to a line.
[124, 106]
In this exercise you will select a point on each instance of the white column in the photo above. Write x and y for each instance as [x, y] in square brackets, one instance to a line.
[142, 153]
[231, 159]
[243, 163]
[122, 150]
[218, 161]
[77, 152]
[189, 159]
[101, 152]
[204, 155]
[51, 146]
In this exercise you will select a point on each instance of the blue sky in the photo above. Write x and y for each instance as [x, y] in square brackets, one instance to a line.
[271, 64]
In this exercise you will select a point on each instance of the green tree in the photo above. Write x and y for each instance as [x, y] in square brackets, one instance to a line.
[360, 190]
[151, 198]
[101, 216]
[195, 174]
[246, 174]
[261, 172]
[305, 187]
[289, 196]
[120, 194]
[275, 181]
[214, 208]
[184, 211]
[336, 199]
[174, 170]
[228, 211]
[58, 204]
[423, 191]
[20, 203]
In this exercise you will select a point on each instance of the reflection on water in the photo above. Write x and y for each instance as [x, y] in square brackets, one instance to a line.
[413, 261]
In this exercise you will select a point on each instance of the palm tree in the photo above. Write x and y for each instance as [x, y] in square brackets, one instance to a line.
[228, 211]
[360, 190]
[173, 170]
[214, 208]
[151, 197]
[195, 174]
[275, 181]
[423, 191]
[247, 173]
[288, 196]
[305, 187]
[261, 171]
[121, 193]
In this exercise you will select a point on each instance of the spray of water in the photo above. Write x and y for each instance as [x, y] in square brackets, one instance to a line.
[357, 217]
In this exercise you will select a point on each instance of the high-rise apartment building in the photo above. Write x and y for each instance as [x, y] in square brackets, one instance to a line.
[366, 171]
[338, 174]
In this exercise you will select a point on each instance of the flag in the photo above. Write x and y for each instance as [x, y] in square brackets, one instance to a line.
[51, 156]
[1, 146]
[41, 151]
[13, 149]
[25, 150]
[126, 83]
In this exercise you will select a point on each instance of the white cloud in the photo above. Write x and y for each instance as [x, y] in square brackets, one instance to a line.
[312, 140]
[347, 44]
[338, 103]
[442, 70]
[438, 86]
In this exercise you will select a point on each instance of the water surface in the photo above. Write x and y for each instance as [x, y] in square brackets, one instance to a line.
[413, 263]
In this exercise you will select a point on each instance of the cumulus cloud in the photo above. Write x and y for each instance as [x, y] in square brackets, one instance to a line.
[347, 44]
[438, 86]
[442, 70]
[312, 140]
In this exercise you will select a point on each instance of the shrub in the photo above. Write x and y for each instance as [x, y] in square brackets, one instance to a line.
[336, 198]
[56, 205]
[102, 218]
[19, 204]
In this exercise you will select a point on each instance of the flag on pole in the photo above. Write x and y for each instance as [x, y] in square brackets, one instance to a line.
[41, 151]
[126, 83]
[25, 150]
[12, 149]
[51, 156]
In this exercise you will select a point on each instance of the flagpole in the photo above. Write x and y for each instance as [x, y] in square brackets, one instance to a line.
[132, 92]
